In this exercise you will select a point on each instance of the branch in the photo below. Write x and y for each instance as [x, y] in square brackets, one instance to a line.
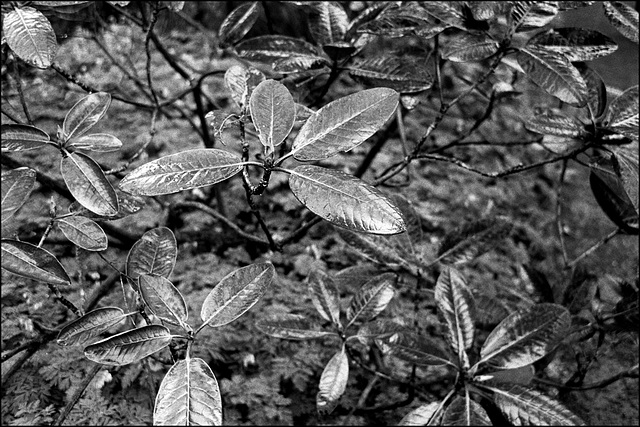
[629, 373]
[595, 246]
[76, 396]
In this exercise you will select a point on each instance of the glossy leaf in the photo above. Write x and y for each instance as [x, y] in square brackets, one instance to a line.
[463, 411]
[128, 204]
[163, 299]
[327, 22]
[408, 19]
[92, 324]
[470, 47]
[415, 349]
[576, 44]
[129, 346]
[88, 184]
[85, 114]
[626, 166]
[154, 253]
[473, 239]
[450, 13]
[241, 81]
[17, 184]
[325, 296]
[423, 415]
[345, 200]
[238, 23]
[333, 382]
[273, 47]
[403, 74]
[83, 232]
[622, 115]
[236, 293]
[612, 197]
[371, 299]
[27, 260]
[272, 112]
[291, 327]
[490, 310]
[623, 17]
[596, 89]
[188, 395]
[526, 15]
[550, 122]
[525, 336]
[22, 138]
[344, 124]
[101, 142]
[182, 171]
[523, 375]
[30, 35]
[385, 250]
[300, 63]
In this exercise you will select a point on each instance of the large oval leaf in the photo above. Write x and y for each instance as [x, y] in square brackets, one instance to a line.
[333, 382]
[182, 171]
[345, 200]
[291, 327]
[241, 81]
[85, 114]
[325, 296]
[30, 35]
[404, 74]
[83, 232]
[344, 123]
[272, 112]
[238, 23]
[129, 346]
[371, 299]
[576, 44]
[465, 412]
[470, 47]
[22, 138]
[188, 395]
[92, 324]
[163, 299]
[27, 260]
[273, 47]
[16, 187]
[88, 184]
[154, 253]
[473, 239]
[623, 17]
[101, 142]
[525, 336]
[236, 293]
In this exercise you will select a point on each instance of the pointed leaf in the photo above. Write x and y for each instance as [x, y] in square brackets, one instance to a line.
[527, 15]
[85, 114]
[473, 239]
[27, 260]
[241, 81]
[597, 91]
[128, 204]
[525, 336]
[188, 395]
[623, 113]
[403, 74]
[614, 200]
[415, 349]
[327, 22]
[550, 122]
[154, 253]
[625, 163]
[470, 47]
[385, 250]
[344, 124]
[333, 382]
[236, 293]
[623, 17]
[272, 112]
[291, 327]
[22, 138]
[238, 23]
[325, 296]
[162, 298]
[30, 35]
[182, 171]
[88, 184]
[129, 346]
[83, 232]
[371, 299]
[465, 412]
[92, 324]
[345, 200]
[300, 63]
[270, 48]
[576, 44]
[423, 415]
[101, 142]
[17, 184]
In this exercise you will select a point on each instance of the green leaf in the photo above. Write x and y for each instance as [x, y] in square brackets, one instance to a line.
[345, 200]
[623, 17]
[550, 122]
[408, 19]
[333, 382]
[465, 412]
[273, 47]
[344, 124]
[188, 395]
[404, 74]
[163, 299]
[128, 204]
[241, 81]
[22, 138]
[325, 296]
[154, 253]
[272, 112]
[576, 44]
[415, 349]
[83, 232]
[473, 239]
[88, 184]
[423, 415]
[236, 293]
[27, 260]
[327, 22]
[238, 23]
[291, 327]
[182, 171]
[29, 34]
[92, 324]
[371, 299]
[101, 142]
[17, 184]
[468, 47]
[129, 346]
[85, 114]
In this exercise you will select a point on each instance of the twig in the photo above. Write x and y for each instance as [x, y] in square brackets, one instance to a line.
[154, 19]
[380, 139]
[559, 224]
[595, 246]
[75, 310]
[23, 101]
[300, 231]
[76, 396]
[629, 373]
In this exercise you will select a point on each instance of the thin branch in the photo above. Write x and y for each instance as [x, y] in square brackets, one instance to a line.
[76, 396]
[154, 19]
[629, 373]
[559, 223]
[23, 101]
[595, 246]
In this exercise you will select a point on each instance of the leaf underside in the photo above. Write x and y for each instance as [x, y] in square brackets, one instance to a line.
[130, 346]
[333, 382]
[154, 253]
[88, 184]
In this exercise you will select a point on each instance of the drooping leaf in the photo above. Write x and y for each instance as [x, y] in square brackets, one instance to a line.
[412, 220]
[525, 336]
[526, 15]
[129, 346]
[622, 115]
[325, 296]
[327, 22]
[612, 197]
[163, 299]
[83, 232]
[469, 47]
[17, 184]
[596, 89]
[182, 171]
[22, 138]
[272, 112]
[92, 324]
[404, 74]
[423, 415]
[291, 327]
[554, 74]
[345, 200]
[344, 124]
[625, 164]
[550, 122]
[30, 35]
[238, 23]
[236, 293]
[415, 349]
[85, 114]
[463, 411]
[270, 48]
[88, 184]
[371, 299]
[154, 253]
[101, 142]
[473, 239]
[623, 17]
[333, 382]
[241, 81]
[27, 260]
[576, 44]
[300, 63]
[188, 395]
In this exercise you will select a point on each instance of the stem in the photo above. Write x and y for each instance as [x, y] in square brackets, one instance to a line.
[16, 76]
[629, 373]
[595, 246]
[75, 310]
[154, 19]
[559, 224]
[76, 396]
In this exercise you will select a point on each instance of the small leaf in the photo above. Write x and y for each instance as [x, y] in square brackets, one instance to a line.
[291, 327]
[236, 293]
[325, 296]
[345, 200]
[27, 260]
[83, 232]
[423, 415]
[404, 74]
[465, 412]
[30, 35]
[241, 81]
[162, 298]
[92, 324]
[85, 114]
[238, 23]
[182, 171]
[473, 239]
[101, 142]
[470, 47]
[270, 48]
[327, 22]
[333, 382]
[188, 395]
[129, 346]
[88, 184]
[22, 138]
[154, 253]
[371, 299]
[272, 112]
[415, 349]
[623, 17]
[17, 184]
[550, 122]
[576, 44]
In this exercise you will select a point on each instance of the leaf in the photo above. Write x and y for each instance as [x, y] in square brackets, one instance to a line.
[613, 199]
[412, 220]
[524, 406]
[101, 142]
[129, 346]
[333, 382]
[568, 5]
[300, 63]
[576, 44]
[272, 112]
[384, 250]
[344, 124]
[378, 329]
[17, 184]
[291, 327]
[327, 22]
[415, 349]
[470, 47]
[371, 299]
[623, 17]
[270, 48]
[238, 23]
[241, 81]
[85, 114]
[29, 34]
[88, 184]
[622, 115]
[527, 15]
[325, 296]
[345, 200]
[154, 253]
[596, 89]
[188, 395]
[465, 412]
[27, 260]
[489, 310]
[408, 19]
[625, 163]
[22, 138]
[554, 74]
[162, 298]
[127, 204]
[456, 307]
[473, 239]
[449, 13]
[525, 336]
[83, 232]
[550, 122]
[236, 293]
[423, 415]
[182, 171]
[92, 324]
[523, 375]
[404, 74]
